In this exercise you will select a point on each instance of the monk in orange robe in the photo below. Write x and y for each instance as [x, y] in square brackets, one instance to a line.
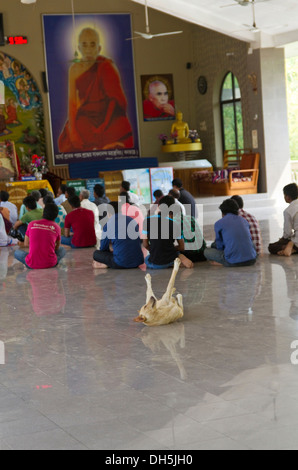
[97, 106]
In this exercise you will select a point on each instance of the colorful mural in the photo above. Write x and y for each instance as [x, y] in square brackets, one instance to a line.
[21, 111]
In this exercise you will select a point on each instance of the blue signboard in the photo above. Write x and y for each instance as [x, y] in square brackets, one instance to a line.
[90, 186]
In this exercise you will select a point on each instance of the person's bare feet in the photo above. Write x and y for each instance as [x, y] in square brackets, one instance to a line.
[286, 252]
[187, 263]
[97, 265]
[214, 263]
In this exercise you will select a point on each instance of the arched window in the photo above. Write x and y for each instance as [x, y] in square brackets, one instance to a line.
[231, 114]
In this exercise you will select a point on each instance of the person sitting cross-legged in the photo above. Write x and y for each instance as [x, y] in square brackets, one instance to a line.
[61, 195]
[70, 191]
[254, 226]
[81, 221]
[43, 239]
[37, 196]
[60, 219]
[160, 233]
[194, 242]
[121, 244]
[101, 201]
[5, 240]
[288, 244]
[13, 210]
[87, 204]
[234, 246]
[32, 213]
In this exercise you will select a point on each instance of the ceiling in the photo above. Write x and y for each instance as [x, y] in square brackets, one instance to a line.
[276, 20]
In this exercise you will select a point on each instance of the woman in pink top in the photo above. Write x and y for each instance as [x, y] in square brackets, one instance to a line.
[131, 210]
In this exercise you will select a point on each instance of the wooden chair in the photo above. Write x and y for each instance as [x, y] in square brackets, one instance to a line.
[57, 175]
[232, 158]
[243, 180]
[62, 171]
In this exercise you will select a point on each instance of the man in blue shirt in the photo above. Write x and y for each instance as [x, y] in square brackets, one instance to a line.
[234, 246]
[120, 246]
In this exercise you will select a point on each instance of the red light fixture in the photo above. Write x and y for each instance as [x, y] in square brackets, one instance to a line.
[17, 40]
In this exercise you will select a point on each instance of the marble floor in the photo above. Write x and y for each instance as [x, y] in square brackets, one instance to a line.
[78, 373]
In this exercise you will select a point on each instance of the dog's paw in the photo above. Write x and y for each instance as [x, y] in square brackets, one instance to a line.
[179, 300]
[148, 277]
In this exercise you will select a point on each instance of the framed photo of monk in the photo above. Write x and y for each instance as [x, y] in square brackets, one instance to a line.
[158, 97]
[90, 72]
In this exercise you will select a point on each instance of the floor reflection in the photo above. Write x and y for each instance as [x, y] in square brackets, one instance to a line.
[45, 290]
[169, 338]
[79, 373]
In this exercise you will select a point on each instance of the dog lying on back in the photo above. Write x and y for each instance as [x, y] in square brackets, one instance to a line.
[168, 309]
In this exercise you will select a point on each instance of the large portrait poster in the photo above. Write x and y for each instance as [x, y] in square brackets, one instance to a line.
[91, 83]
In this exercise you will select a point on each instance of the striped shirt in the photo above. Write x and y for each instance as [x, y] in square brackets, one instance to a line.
[254, 228]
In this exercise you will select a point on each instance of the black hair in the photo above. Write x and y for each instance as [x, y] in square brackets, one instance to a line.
[167, 200]
[229, 206]
[43, 192]
[30, 203]
[50, 211]
[158, 193]
[4, 196]
[125, 185]
[71, 191]
[239, 201]
[174, 193]
[63, 188]
[74, 201]
[48, 199]
[99, 190]
[177, 182]
[126, 196]
[291, 190]
[113, 208]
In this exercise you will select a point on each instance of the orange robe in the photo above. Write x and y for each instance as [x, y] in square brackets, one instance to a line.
[11, 114]
[101, 119]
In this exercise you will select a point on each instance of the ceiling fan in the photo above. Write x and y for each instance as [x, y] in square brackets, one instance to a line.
[148, 34]
[254, 28]
[244, 3]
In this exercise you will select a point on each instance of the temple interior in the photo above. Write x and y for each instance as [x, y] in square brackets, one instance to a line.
[76, 372]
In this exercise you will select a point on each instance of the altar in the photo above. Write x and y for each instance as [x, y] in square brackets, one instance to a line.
[18, 190]
[183, 140]
[185, 169]
[182, 147]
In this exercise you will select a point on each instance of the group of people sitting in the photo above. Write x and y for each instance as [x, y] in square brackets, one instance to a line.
[127, 235]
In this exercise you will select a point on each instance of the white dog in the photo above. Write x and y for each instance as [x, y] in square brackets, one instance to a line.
[164, 311]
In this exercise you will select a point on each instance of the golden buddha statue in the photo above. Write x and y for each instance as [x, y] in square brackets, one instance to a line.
[182, 139]
[180, 129]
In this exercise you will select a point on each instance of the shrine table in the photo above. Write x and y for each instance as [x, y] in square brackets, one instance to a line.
[18, 190]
